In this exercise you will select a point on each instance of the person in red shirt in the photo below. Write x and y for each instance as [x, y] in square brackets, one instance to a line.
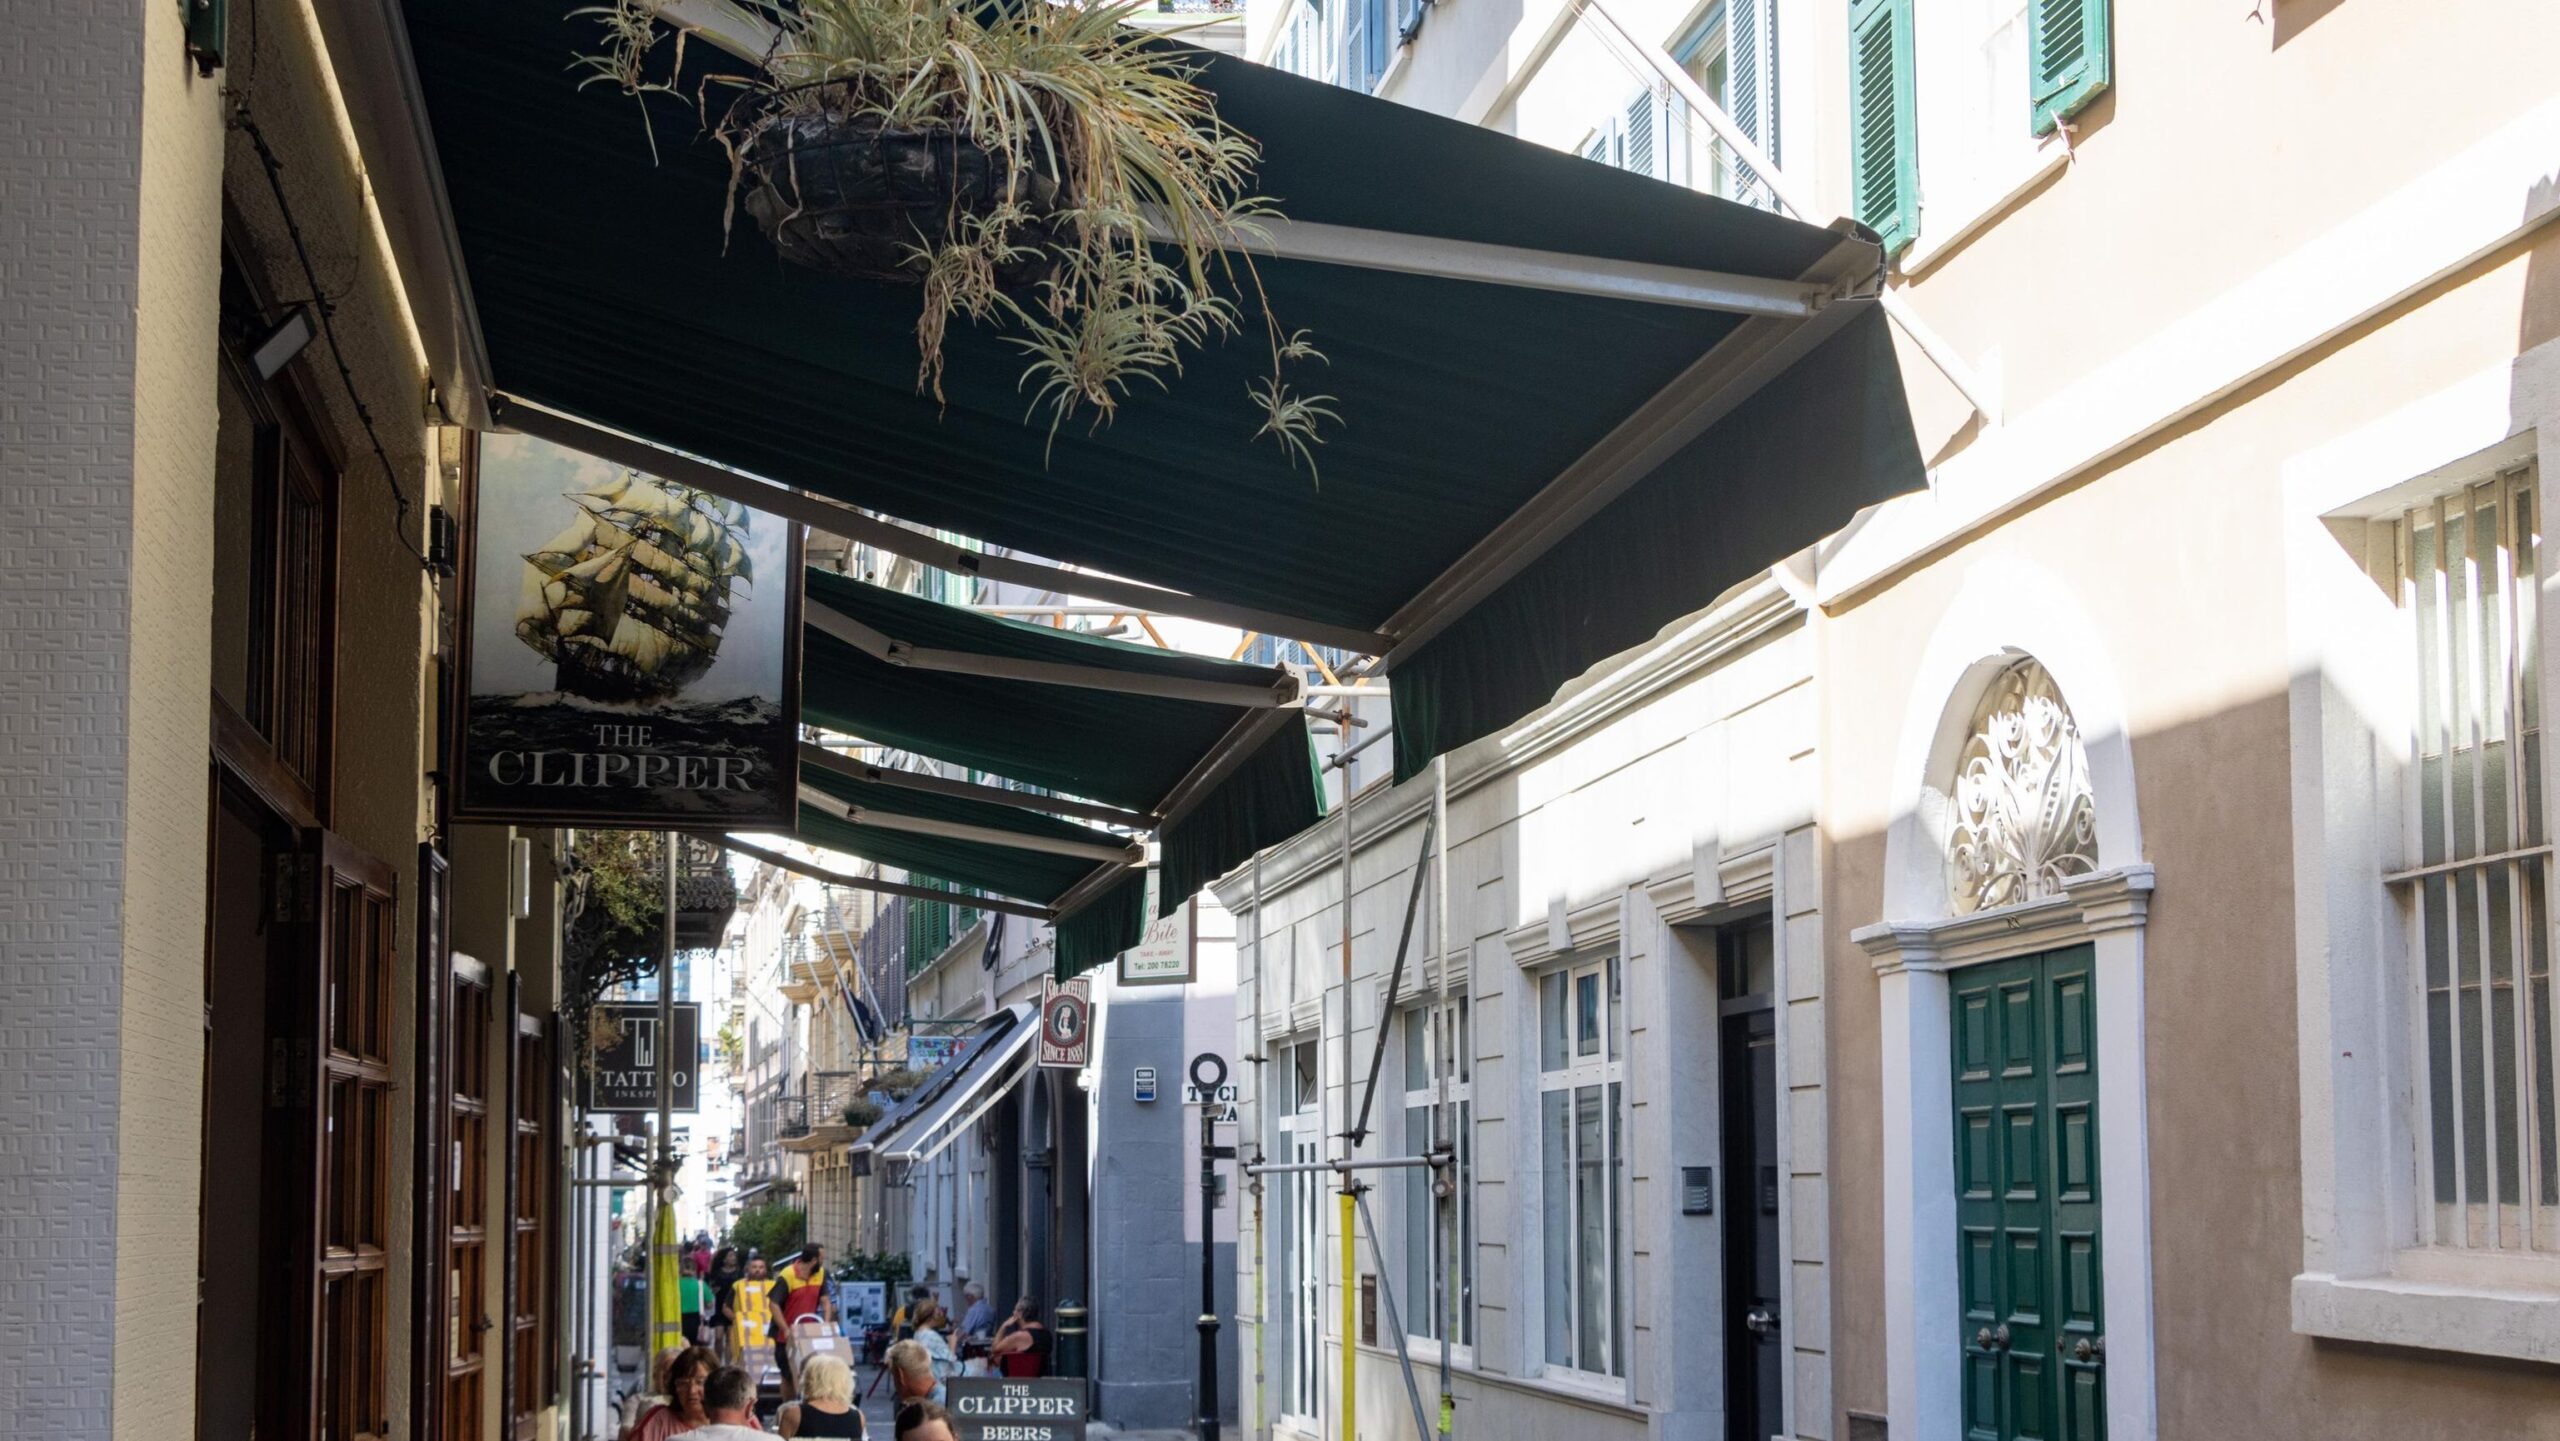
[802, 1286]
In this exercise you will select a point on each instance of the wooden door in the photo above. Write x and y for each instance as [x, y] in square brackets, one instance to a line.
[466, 1203]
[2027, 1202]
[531, 1102]
[354, 912]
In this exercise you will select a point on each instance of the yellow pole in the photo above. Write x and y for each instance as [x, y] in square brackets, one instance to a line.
[1350, 1320]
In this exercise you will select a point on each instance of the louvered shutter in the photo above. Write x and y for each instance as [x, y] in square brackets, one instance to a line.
[1643, 128]
[1751, 88]
[1882, 168]
[2067, 50]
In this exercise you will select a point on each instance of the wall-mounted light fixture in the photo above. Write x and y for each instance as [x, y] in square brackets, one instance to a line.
[279, 346]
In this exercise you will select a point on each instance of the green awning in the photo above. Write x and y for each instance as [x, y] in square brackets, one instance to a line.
[1146, 754]
[1529, 474]
[1529, 477]
[883, 829]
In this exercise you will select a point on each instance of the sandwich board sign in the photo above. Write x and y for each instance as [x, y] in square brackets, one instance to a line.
[1004, 1408]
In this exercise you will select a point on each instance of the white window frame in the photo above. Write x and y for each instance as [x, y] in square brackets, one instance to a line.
[2527, 1228]
[1301, 1139]
[2364, 1277]
[1447, 1032]
[1605, 1069]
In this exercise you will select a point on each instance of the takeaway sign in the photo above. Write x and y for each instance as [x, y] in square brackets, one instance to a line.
[996, 1408]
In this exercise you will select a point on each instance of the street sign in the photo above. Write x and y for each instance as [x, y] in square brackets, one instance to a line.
[1224, 1096]
[1066, 1025]
[1143, 1082]
[997, 1408]
[624, 1075]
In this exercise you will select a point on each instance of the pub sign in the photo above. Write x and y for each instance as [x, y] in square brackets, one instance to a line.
[632, 651]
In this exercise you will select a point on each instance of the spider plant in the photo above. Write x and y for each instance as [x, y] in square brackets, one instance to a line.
[1137, 242]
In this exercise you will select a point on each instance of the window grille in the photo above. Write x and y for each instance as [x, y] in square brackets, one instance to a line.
[2477, 898]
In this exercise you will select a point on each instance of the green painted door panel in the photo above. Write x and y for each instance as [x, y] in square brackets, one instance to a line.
[2027, 1203]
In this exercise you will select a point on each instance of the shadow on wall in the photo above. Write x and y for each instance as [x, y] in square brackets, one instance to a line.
[2292, 17]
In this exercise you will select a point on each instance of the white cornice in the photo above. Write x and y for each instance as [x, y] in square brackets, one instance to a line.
[2091, 905]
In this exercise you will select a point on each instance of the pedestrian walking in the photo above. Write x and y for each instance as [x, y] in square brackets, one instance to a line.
[753, 1316]
[802, 1286]
[825, 1408]
[925, 1421]
[728, 1397]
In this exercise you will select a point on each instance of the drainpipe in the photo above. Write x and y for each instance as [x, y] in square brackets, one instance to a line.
[1445, 1183]
[1346, 1211]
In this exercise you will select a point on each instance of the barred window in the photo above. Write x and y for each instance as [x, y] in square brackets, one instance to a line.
[2477, 897]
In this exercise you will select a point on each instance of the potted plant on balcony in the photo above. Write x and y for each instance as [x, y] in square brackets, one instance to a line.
[861, 1113]
[1044, 167]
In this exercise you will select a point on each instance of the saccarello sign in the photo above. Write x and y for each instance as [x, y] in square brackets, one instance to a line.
[632, 653]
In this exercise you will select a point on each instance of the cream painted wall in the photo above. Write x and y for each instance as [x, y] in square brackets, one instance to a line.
[160, 1109]
[1667, 783]
[2175, 558]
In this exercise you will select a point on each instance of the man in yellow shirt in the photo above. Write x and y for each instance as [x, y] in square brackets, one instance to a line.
[752, 1311]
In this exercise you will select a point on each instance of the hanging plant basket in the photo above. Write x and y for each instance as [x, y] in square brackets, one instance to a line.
[853, 195]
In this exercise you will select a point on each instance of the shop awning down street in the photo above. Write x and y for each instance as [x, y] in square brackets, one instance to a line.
[951, 1099]
[1577, 405]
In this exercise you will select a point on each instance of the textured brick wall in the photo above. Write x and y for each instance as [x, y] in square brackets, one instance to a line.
[161, 1071]
[70, 188]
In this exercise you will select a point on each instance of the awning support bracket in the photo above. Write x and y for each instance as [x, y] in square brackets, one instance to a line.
[1285, 689]
[1133, 853]
[823, 876]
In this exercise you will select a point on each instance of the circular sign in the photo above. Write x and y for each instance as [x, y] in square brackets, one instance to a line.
[1208, 1072]
[1062, 1020]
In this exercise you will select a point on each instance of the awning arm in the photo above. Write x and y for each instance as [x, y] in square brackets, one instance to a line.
[1529, 269]
[1085, 892]
[813, 754]
[836, 518]
[1283, 690]
[822, 875]
[1132, 854]
[1750, 356]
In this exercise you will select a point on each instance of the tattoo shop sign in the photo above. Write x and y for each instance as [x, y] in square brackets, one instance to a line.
[632, 653]
[624, 1075]
[993, 1408]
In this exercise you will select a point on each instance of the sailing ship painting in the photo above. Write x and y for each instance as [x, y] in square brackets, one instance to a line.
[630, 600]
[633, 648]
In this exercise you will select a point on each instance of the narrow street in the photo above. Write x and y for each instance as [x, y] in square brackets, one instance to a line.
[1279, 720]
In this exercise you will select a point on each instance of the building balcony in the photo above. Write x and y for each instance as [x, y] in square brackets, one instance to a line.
[812, 1117]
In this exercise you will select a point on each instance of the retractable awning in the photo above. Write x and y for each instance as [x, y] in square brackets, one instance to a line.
[985, 1053]
[1210, 754]
[1578, 403]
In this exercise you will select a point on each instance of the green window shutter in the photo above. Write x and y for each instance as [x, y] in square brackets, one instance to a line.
[1883, 169]
[2067, 45]
[208, 22]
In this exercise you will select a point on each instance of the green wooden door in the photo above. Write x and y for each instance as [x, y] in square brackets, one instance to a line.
[2027, 1203]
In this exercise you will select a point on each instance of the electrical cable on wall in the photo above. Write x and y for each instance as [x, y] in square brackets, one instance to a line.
[247, 125]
